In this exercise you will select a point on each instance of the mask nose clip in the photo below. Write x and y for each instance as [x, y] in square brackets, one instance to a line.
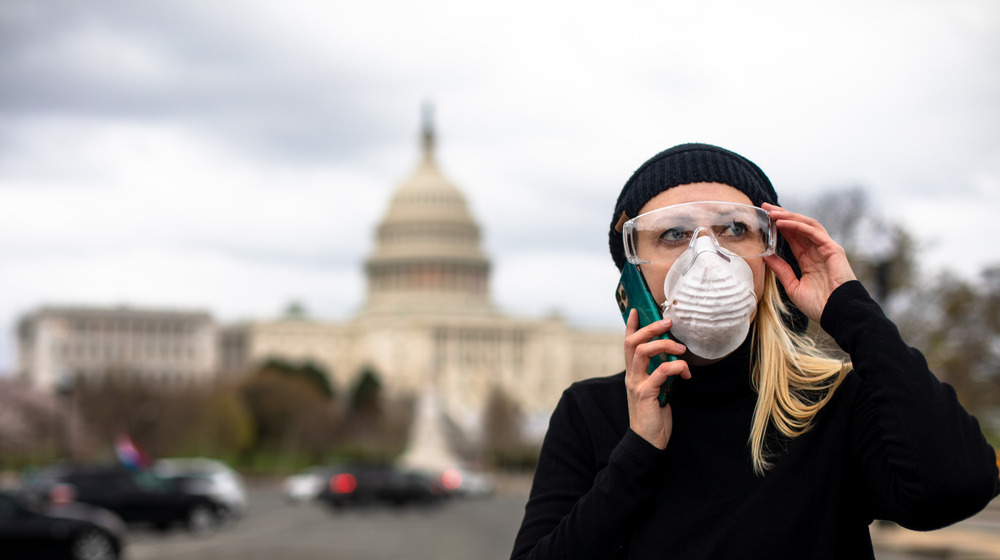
[697, 247]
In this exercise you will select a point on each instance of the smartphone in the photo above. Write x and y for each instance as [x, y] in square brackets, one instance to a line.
[633, 292]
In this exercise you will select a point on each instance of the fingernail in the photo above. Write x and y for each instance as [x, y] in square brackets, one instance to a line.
[665, 322]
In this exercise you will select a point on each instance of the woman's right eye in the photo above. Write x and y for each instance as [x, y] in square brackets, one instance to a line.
[673, 235]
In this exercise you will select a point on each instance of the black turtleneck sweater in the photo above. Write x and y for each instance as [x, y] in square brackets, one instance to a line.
[893, 443]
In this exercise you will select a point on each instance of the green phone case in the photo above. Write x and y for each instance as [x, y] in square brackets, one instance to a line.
[633, 292]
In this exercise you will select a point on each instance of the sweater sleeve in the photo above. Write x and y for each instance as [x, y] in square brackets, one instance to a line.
[923, 458]
[579, 509]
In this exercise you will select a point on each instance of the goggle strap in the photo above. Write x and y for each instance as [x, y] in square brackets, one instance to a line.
[621, 222]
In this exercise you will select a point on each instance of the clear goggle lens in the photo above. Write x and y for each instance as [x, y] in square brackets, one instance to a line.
[664, 234]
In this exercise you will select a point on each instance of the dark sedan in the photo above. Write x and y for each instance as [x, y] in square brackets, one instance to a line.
[373, 484]
[72, 531]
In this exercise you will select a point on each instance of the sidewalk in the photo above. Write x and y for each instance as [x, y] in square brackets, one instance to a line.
[975, 539]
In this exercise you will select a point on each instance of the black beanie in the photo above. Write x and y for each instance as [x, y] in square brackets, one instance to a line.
[697, 163]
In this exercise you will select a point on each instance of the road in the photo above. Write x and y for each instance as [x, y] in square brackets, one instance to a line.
[977, 538]
[275, 530]
[473, 529]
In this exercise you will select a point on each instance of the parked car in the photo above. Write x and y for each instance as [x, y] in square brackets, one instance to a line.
[357, 485]
[72, 530]
[207, 477]
[467, 482]
[137, 496]
[307, 485]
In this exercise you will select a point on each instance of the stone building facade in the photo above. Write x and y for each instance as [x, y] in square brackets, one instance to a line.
[427, 323]
[428, 319]
[58, 344]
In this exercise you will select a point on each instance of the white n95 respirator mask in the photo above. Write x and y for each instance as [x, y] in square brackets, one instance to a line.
[709, 298]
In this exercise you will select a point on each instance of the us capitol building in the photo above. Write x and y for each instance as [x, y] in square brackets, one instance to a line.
[427, 324]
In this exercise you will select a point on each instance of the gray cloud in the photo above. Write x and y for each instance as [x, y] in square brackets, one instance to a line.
[178, 62]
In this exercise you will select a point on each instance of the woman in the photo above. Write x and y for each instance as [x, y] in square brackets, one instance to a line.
[766, 447]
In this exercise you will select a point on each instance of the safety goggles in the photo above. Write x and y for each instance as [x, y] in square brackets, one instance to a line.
[739, 230]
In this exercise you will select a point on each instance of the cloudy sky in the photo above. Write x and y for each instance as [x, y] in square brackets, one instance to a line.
[234, 156]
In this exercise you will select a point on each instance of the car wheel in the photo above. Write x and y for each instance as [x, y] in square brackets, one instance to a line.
[202, 520]
[93, 545]
[225, 516]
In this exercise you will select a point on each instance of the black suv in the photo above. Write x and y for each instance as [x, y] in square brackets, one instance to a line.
[137, 496]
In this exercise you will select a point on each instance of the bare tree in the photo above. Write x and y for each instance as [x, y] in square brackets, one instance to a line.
[882, 253]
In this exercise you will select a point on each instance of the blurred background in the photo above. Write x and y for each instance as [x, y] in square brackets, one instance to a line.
[283, 236]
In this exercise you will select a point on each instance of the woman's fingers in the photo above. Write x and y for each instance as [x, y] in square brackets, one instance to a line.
[644, 352]
[635, 336]
[632, 324]
[779, 213]
[643, 344]
[782, 270]
[801, 237]
[799, 231]
[660, 346]
[646, 418]
[822, 261]
[669, 369]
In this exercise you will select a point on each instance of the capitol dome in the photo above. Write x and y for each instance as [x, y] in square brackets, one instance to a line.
[428, 255]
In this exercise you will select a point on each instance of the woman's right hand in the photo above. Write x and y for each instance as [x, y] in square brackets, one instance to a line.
[646, 417]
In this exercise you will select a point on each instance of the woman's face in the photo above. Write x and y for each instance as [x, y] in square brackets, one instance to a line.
[696, 192]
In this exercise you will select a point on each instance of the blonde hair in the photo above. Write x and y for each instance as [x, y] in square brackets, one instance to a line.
[793, 378]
